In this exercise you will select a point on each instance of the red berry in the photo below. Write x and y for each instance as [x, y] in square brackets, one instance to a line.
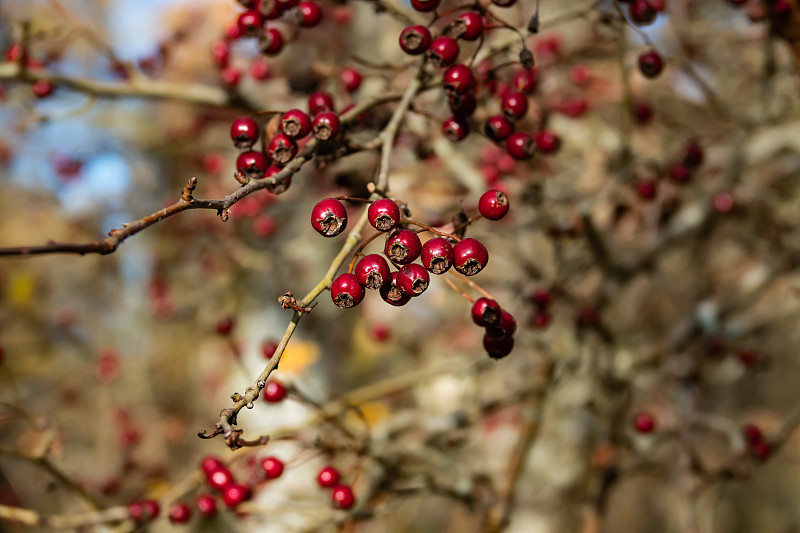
[343, 497]
[541, 298]
[42, 88]
[525, 81]
[437, 255]
[372, 271]
[281, 149]
[694, 155]
[180, 513]
[403, 247]
[295, 124]
[651, 64]
[723, 202]
[680, 173]
[587, 318]
[244, 133]
[230, 76]
[458, 79]
[211, 463]
[644, 422]
[270, 41]
[506, 326]
[224, 326]
[425, 5]
[462, 105]
[326, 125]
[268, 349]
[346, 291]
[486, 312]
[514, 105]
[752, 434]
[497, 348]
[647, 189]
[455, 130]
[443, 51]
[415, 40]
[520, 146]
[221, 53]
[143, 511]
[540, 319]
[206, 505]
[642, 112]
[641, 12]
[547, 142]
[311, 14]
[329, 217]
[252, 164]
[497, 128]
[269, 9]
[493, 204]
[220, 478]
[761, 450]
[470, 256]
[413, 279]
[467, 26]
[274, 392]
[273, 467]
[233, 495]
[249, 23]
[392, 294]
[319, 101]
[328, 477]
[285, 5]
[351, 78]
[748, 358]
[383, 214]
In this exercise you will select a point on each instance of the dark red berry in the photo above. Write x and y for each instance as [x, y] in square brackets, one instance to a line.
[752, 434]
[525, 80]
[458, 79]
[467, 26]
[326, 125]
[647, 189]
[328, 477]
[587, 318]
[249, 23]
[143, 511]
[285, 5]
[462, 105]
[761, 450]
[224, 326]
[252, 164]
[781, 8]
[268, 348]
[540, 319]
[455, 130]
[319, 101]
[273, 467]
[311, 14]
[514, 105]
[180, 513]
[694, 155]
[42, 88]
[542, 298]
[651, 64]
[295, 124]
[274, 392]
[244, 133]
[383, 214]
[372, 271]
[351, 79]
[443, 51]
[470, 256]
[413, 279]
[506, 326]
[233, 495]
[281, 149]
[329, 217]
[497, 348]
[493, 204]
[425, 5]
[206, 505]
[497, 128]
[641, 12]
[644, 422]
[415, 40]
[642, 112]
[403, 247]
[437, 255]
[547, 142]
[270, 41]
[346, 291]
[392, 294]
[504, 3]
[680, 173]
[520, 146]
[486, 312]
[342, 497]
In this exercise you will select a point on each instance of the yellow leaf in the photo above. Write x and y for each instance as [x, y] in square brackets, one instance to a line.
[372, 412]
[298, 356]
[21, 288]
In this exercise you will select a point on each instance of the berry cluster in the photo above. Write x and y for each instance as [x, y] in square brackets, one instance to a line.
[17, 54]
[342, 496]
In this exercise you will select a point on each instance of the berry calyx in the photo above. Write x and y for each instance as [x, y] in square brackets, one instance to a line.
[497, 348]
[295, 124]
[413, 279]
[651, 64]
[328, 477]
[514, 105]
[547, 142]
[180, 513]
[383, 214]
[470, 256]
[437, 255]
[233, 495]
[520, 146]
[346, 291]
[486, 312]
[244, 133]
[497, 128]
[281, 149]
[403, 247]
[326, 125]
[252, 164]
[415, 40]
[275, 391]
[329, 217]
[273, 467]
[644, 422]
[319, 101]
[454, 129]
[493, 204]
[372, 271]
[342, 497]
[443, 51]
[392, 294]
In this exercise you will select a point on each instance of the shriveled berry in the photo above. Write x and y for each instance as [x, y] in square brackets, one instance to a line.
[326, 125]
[467, 26]
[270, 41]
[320, 101]
[328, 477]
[310, 13]
[281, 149]
[351, 79]
[249, 23]
[295, 124]
[520, 146]
[651, 64]
[269, 9]
[437, 255]
[383, 214]
[244, 133]
[415, 40]
[252, 164]
[644, 422]
[425, 5]
[497, 128]
[206, 505]
[455, 130]
[486, 312]
[346, 291]
[329, 217]
[275, 391]
[273, 467]
[458, 79]
[497, 348]
[372, 271]
[403, 246]
[470, 256]
[342, 497]
[180, 513]
[514, 105]
[413, 279]
[392, 294]
[233, 495]
[547, 142]
[443, 51]
[493, 204]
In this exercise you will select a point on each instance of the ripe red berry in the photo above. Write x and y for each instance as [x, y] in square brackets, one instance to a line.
[328, 477]
[514, 105]
[268, 348]
[540, 319]
[525, 80]
[383, 214]
[415, 40]
[329, 217]
[443, 51]
[342, 497]
[143, 511]
[351, 79]
[437, 255]
[493, 204]
[458, 79]
[273, 467]
[467, 26]
[281, 149]
[220, 53]
[505, 327]
[644, 422]
[680, 173]
[760, 450]
[346, 291]
[520, 146]
[642, 112]
[647, 189]
[462, 105]
[233, 495]
[249, 23]
[641, 12]
[252, 164]
[497, 128]
[752, 434]
[270, 41]
[244, 133]
[230, 76]
[295, 124]
[497, 348]
[547, 142]
[413, 279]
[42, 88]
[219, 479]
[274, 392]
[310, 13]
[651, 64]
[694, 155]
[470, 256]
[180, 513]
[403, 247]
[486, 312]
[206, 505]
[210, 464]
[455, 130]
[392, 294]
[224, 326]
[319, 101]
[372, 271]
[425, 5]
[326, 125]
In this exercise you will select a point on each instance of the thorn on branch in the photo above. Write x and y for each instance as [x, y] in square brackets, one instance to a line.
[288, 301]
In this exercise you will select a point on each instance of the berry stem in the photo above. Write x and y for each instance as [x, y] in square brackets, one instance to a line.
[458, 291]
[426, 227]
[472, 284]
